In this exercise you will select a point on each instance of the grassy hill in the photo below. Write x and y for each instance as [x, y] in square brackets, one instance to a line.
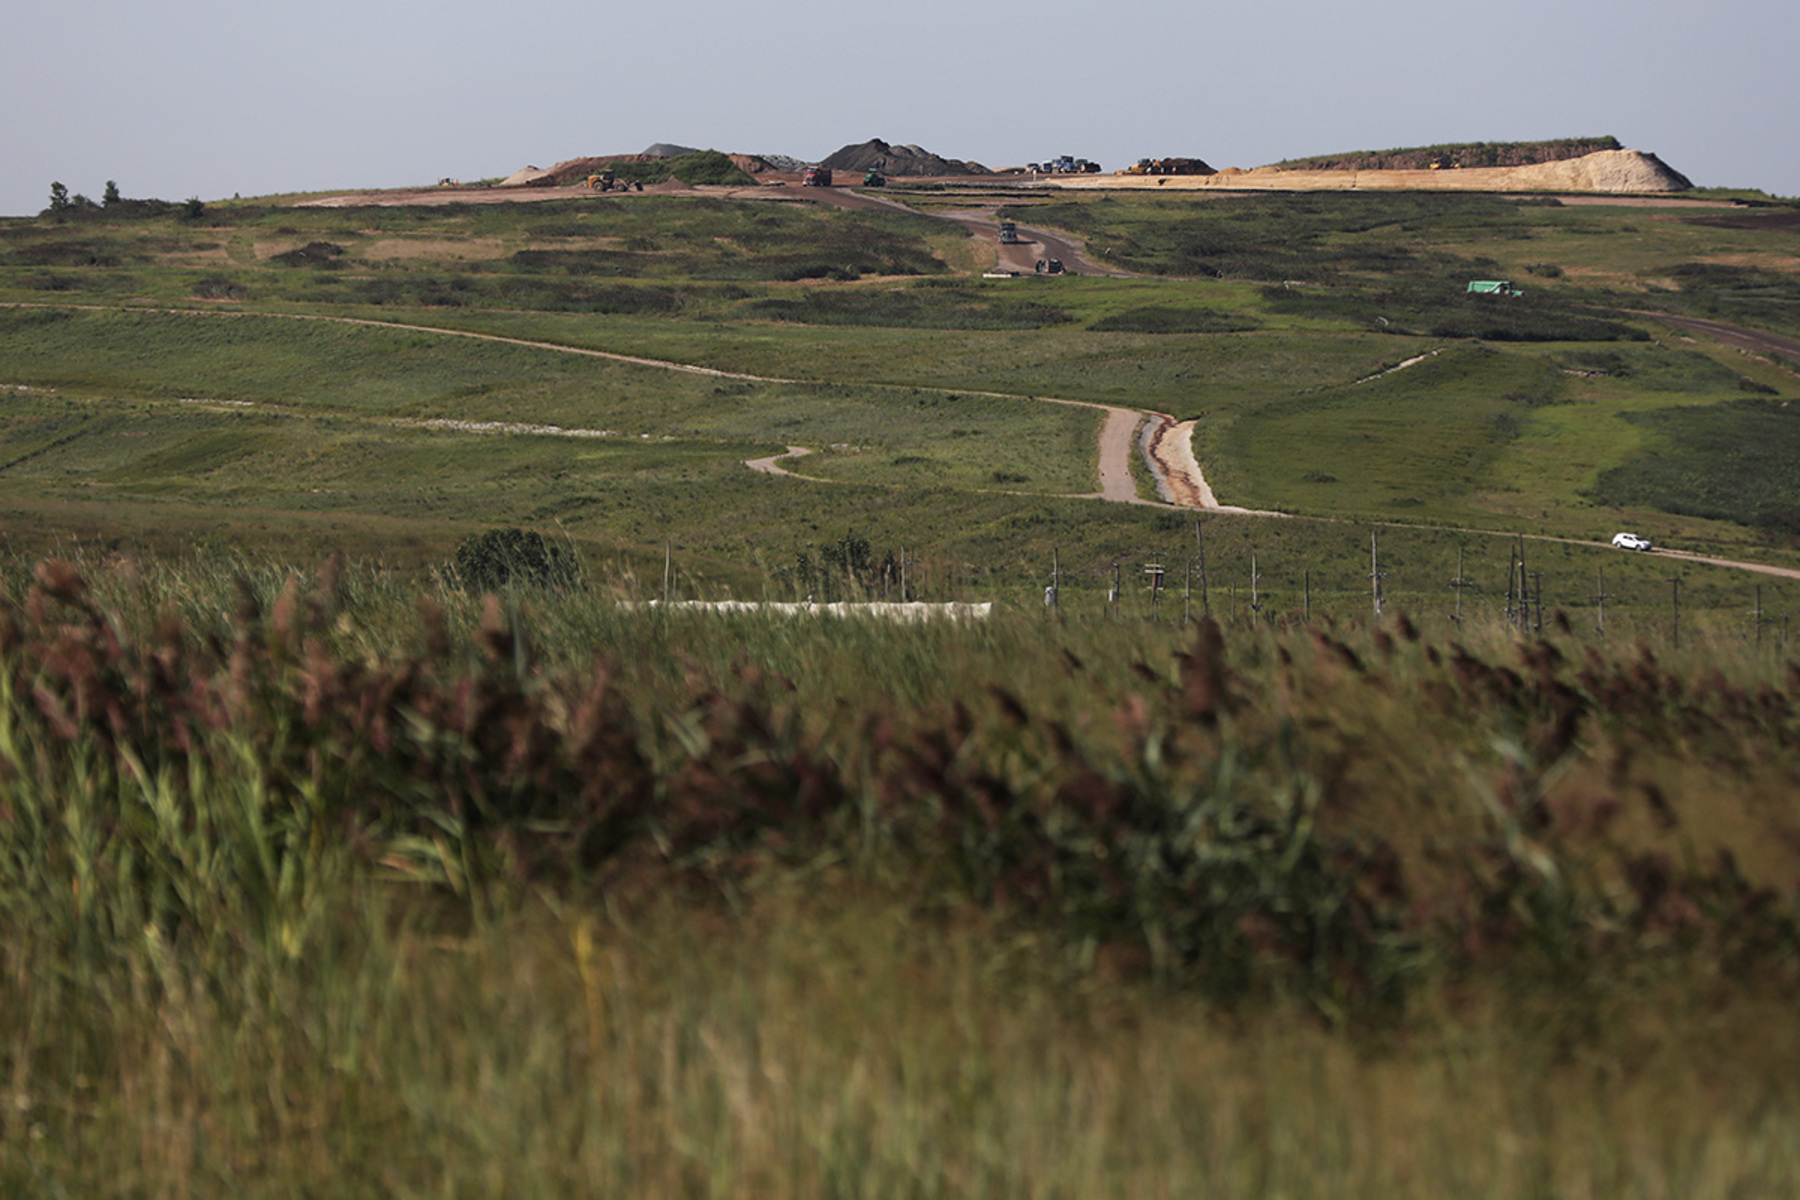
[322, 874]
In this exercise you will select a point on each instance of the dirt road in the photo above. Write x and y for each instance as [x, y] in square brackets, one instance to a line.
[1035, 245]
[1755, 341]
[769, 465]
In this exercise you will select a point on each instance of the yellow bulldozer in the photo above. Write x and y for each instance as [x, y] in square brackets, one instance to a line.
[608, 181]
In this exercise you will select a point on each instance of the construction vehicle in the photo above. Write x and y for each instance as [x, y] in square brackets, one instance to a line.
[874, 178]
[1049, 266]
[1169, 166]
[1009, 233]
[1067, 164]
[1493, 287]
[607, 181]
[816, 177]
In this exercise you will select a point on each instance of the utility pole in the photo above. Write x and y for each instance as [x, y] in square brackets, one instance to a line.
[1460, 583]
[1524, 596]
[1155, 571]
[1205, 595]
[1375, 575]
[1255, 596]
[1512, 571]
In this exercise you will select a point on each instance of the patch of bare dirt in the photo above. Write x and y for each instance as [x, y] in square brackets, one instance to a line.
[1607, 171]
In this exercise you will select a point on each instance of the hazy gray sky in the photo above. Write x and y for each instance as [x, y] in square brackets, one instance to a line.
[209, 98]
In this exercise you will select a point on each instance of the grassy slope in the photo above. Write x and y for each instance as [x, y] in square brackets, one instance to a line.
[342, 945]
[1523, 442]
[337, 978]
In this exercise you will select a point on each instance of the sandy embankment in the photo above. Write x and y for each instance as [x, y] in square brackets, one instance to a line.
[1607, 171]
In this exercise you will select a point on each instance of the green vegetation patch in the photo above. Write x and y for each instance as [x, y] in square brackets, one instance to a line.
[1300, 237]
[1445, 309]
[699, 168]
[1170, 319]
[1420, 442]
[1655, 367]
[1744, 295]
[1733, 462]
[959, 306]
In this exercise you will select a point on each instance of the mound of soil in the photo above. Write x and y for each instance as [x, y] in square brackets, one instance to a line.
[529, 177]
[575, 170]
[1472, 154]
[878, 155]
[1608, 171]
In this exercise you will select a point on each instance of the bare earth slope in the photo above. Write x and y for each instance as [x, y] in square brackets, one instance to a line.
[1607, 171]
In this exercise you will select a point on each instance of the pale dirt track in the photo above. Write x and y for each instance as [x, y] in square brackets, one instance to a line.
[771, 465]
[1769, 344]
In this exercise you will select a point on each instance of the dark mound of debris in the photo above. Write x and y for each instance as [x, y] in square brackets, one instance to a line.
[878, 155]
[313, 254]
[669, 150]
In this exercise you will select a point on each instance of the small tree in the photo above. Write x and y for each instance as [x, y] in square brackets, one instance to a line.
[111, 196]
[501, 558]
[59, 198]
[192, 209]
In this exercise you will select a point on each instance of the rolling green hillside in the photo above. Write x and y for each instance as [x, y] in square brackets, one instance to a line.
[1406, 841]
[279, 375]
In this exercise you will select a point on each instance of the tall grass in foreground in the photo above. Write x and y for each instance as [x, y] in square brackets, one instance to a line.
[333, 886]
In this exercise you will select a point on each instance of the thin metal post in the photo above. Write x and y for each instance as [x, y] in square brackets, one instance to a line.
[1524, 595]
[1205, 593]
[1255, 596]
[1512, 570]
[1375, 575]
[1458, 584]
[1461, 584]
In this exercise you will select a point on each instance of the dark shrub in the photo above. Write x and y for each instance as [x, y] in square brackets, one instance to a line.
[502, 558]
[313, 254]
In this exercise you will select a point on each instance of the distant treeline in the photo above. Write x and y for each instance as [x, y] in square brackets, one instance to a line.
[1468, 154]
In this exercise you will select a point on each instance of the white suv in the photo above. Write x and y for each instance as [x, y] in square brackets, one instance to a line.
[1630, 541]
